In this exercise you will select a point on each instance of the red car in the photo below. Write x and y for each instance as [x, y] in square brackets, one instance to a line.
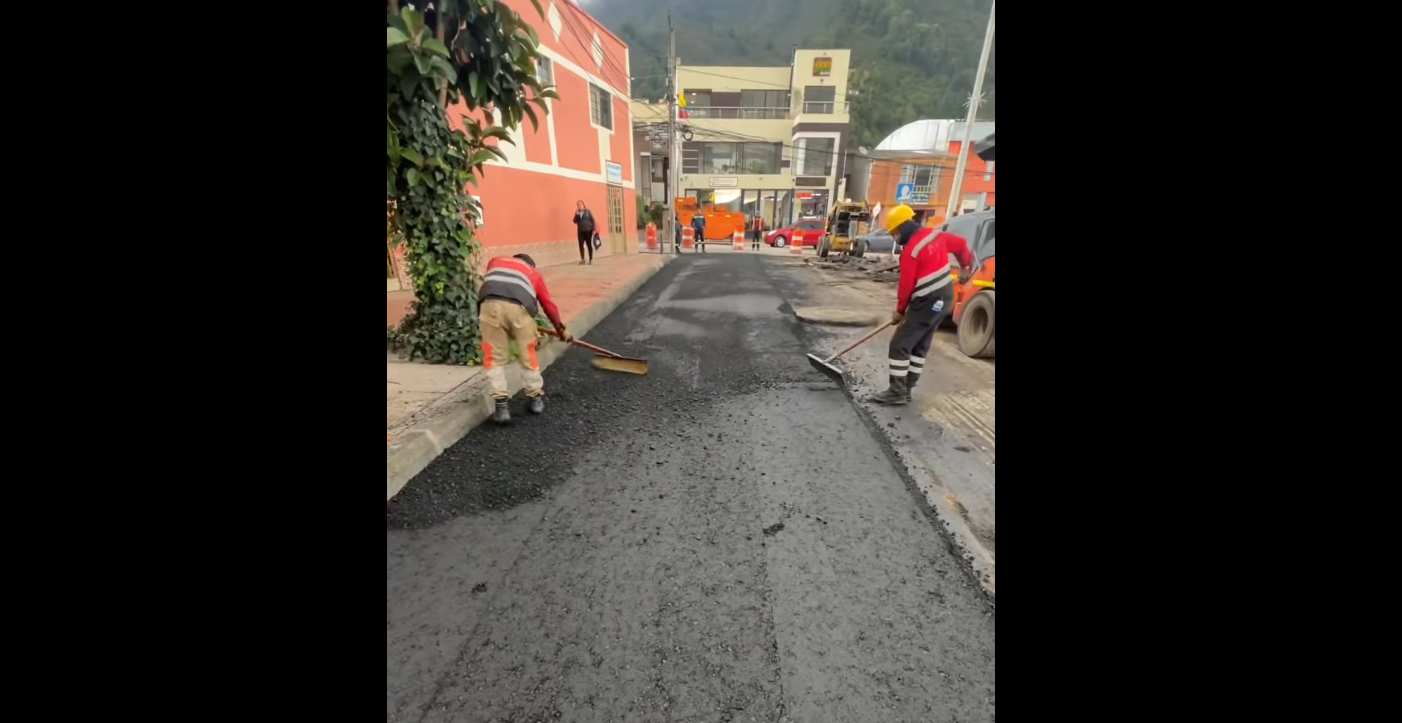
[781, 237]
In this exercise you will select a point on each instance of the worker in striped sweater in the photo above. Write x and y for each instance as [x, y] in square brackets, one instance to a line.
[511, 295]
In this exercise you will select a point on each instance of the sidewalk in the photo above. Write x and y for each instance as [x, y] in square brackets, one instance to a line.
[428, 407]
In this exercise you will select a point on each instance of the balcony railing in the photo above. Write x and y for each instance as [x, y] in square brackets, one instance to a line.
[919, 194]
[824, 107]
[728, 170]
[738, 113]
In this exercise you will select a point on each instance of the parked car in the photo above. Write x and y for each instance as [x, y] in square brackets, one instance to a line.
[781, 237]
[879, 241]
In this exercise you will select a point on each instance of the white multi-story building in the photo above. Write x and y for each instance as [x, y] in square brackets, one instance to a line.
[766, 140]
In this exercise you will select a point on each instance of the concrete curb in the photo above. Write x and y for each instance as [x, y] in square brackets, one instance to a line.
[412, 451]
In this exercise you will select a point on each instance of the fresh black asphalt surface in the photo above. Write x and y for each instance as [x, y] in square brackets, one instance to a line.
[721, 540]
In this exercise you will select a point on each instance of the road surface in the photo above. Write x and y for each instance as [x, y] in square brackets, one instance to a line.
[721, 540]
[945, 437]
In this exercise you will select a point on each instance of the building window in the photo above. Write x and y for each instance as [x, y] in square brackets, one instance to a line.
[691, 158]
[720, 158]
[919, 174]
[732, 158]
[924, 177]
[815, 156]
[761, 158]
[544, 71]
[764, 99]
[742, 105]
[819, 99]
[600, 107]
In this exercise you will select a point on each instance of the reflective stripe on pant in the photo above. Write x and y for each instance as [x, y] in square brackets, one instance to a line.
[503, 322]
[911, 342]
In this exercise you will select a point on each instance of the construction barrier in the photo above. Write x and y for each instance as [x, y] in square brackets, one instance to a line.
[796, 248]
[737, 241]
[651, 243]
[688, 238]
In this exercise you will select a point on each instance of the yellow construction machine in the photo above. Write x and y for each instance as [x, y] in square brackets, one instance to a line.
[846, 221]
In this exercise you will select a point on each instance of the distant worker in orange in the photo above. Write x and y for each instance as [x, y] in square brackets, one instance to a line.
[756, 232]
[924, 296]
[510, 297]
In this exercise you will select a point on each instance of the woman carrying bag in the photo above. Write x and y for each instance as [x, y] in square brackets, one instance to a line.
[584, 231]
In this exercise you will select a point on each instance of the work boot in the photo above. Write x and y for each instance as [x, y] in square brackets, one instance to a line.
[502, 415]
[538, 405]
[911, 380]
[896, 395]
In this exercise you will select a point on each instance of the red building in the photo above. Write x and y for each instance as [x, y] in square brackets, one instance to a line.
[582, 150]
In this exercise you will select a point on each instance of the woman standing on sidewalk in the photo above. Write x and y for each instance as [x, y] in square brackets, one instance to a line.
[584, 230]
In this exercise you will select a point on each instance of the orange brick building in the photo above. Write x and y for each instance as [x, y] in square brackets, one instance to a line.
[915, 165]
[582, 151]
[930, 177]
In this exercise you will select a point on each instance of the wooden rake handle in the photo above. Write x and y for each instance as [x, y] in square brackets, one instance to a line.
[859, 342]
[585, 344]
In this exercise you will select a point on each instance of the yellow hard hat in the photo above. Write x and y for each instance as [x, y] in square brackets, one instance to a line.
[898, 216]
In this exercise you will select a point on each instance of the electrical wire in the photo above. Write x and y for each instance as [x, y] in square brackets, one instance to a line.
[608, 58]
[714, 135]
[692, 69]
[742, 138]
[881, 172]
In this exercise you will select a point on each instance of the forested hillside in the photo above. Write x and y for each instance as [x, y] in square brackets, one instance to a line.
[911, 59]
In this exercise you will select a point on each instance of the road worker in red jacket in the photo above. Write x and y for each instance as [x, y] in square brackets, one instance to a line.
[924, 297]
[509, 299]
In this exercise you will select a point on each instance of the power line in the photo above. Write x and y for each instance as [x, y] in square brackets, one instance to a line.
[882, 171]
[714, 135]
[754, 82]
[608, 59]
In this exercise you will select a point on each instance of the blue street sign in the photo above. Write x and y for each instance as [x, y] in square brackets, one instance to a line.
[904, 192]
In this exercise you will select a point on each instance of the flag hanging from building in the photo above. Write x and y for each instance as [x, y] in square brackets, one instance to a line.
[681, 99]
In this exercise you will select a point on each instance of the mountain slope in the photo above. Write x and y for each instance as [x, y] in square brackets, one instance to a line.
[911, 59]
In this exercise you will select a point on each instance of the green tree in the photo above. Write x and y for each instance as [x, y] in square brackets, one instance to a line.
[488, 61]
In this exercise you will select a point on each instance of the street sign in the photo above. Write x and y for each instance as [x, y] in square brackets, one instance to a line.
[904, 192]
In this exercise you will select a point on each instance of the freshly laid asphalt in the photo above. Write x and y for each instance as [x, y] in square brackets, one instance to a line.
[723, 539]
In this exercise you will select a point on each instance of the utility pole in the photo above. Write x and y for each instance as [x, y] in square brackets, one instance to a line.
[674, 158]
[956, 190]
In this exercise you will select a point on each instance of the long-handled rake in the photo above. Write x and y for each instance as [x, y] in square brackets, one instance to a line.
[825, 365]
[605, 359]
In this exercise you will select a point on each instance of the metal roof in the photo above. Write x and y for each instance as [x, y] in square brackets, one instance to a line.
[930, 135]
